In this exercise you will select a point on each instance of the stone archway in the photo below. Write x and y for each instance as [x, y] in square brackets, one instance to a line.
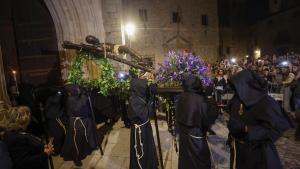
[36, 45]
[75, 19]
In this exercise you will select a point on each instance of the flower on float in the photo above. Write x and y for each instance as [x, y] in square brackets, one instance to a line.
[176, 64]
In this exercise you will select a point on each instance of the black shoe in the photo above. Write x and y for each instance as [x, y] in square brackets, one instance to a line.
[78, 163]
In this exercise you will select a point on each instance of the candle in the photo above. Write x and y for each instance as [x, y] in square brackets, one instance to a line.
[15, 79]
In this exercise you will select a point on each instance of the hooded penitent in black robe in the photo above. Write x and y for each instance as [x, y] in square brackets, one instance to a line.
[102, 106]
[194, 119]
[56, 120]
[142, 147]
[81, 131]
[256, 122]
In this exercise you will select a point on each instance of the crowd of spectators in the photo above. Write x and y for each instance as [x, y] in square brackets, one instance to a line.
[281, 72]
[277, 70]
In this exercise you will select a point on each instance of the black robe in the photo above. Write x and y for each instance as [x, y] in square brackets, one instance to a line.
[26, 151]
[81, 137]
[194, 119]
[142, 147]
[5, 160]
[102, 106]
[56, 120]
[252, 107]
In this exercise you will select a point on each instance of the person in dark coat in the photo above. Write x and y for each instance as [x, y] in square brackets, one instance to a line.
[295, 88]
[56, 120]
[5, 160]
[26, 150]
[27, 97]
[142, 147]
[220, 86]
[194, 120]
[296, 105]
[81, 137]
[256, 122]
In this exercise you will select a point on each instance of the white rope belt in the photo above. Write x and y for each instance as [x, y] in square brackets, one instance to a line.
[197, 137]
[234, 154]
[85, 133]
[61, 125]
[137, 127]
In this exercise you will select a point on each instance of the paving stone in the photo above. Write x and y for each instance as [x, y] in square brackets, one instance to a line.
[117, 148]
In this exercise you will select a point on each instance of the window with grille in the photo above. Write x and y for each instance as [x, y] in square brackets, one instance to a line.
[143, 15]
[175, 17]
[204, 20]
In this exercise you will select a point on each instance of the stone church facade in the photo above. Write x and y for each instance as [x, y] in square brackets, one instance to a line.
[161, 25]
[32, 32]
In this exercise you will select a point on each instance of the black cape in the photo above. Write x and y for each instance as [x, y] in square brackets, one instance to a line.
[264, 119]
[56, 120]
[194, 119]
[143, 156]
[81, 131]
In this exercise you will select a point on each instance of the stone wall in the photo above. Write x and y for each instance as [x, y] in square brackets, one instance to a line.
[158, 34]
[76, 19]
[106, 19]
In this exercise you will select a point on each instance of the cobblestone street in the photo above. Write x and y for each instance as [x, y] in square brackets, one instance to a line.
[116, 150]
[289, 150]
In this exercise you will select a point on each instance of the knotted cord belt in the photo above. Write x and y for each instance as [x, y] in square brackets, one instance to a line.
[137, 127]
[75, 133]
[61, 125]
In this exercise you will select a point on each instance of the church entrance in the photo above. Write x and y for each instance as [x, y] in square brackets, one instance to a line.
[29, 44]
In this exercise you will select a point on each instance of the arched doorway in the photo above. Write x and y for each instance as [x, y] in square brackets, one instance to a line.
[34, 41]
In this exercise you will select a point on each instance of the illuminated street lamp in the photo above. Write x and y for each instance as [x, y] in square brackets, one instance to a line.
[130, 29]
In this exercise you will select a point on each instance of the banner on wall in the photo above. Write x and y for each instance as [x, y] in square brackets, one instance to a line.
[3, 91]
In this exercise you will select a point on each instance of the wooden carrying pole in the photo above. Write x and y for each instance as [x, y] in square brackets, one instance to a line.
[102, 50]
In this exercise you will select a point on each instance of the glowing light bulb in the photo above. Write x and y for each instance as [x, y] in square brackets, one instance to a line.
[130, 29]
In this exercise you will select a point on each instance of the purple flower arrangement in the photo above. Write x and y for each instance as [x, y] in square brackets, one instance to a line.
[179, 64]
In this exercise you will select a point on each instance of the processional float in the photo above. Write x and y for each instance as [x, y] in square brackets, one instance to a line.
[116, 52]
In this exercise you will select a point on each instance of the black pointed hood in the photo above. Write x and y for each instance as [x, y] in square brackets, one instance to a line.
[191, 83]
[249, 87]
[139, 87]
